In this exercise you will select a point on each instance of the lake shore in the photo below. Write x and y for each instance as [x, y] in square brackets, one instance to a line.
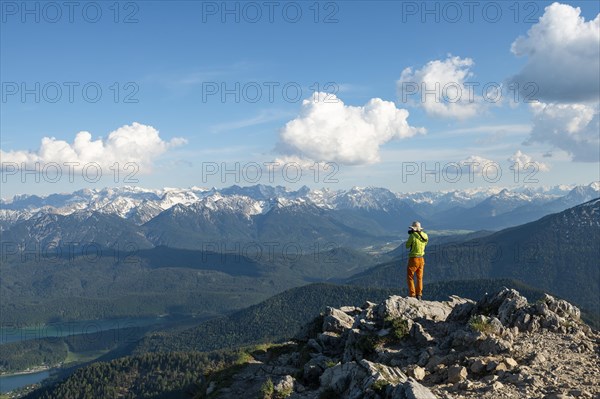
[28, 371]
[21, 382]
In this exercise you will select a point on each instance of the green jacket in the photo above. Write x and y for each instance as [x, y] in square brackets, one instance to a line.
[416, 244]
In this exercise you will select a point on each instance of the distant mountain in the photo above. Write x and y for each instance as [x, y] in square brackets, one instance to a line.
[238, 220]
[44, 232]
[196, 217]
[431, 203]
[557, 253]
[378, 205]
[576, 196]
[307, 224]
[264, 192]
[210, 219]
[512, 208]
[375, 209]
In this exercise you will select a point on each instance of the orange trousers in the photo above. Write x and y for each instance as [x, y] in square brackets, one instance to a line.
[415, 266]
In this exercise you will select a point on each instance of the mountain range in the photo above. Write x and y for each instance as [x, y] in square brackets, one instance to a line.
[191, 218]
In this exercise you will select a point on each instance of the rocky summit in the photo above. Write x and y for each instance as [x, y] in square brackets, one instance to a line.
[499, 347]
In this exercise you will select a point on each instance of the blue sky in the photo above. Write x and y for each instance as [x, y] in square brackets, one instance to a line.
[166, 57]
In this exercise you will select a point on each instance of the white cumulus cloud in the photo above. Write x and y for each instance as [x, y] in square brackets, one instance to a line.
[526, 162]
[137, 143]
[475, 164]
[330, 131]
[573, 128]
[442, 88]
[563, 56]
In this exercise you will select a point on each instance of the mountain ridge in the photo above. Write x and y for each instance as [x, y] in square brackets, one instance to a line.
[186, 218]
[124, 201]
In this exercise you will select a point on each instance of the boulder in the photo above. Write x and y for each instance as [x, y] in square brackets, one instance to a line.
[378, 372]
[478, 366]
[410, 390]
[461, 312]
[414, 390]
[419, 334]
[561, 308]
[314, 367]
[512, 302]
[456, 374]
[336, 321]
[510, 363]
[340, 376]
[351, 310]
[330, 342]
[416, 372]
[504, 304]
[411, 308]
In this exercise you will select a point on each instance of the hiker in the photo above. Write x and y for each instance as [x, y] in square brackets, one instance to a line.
[417, 240]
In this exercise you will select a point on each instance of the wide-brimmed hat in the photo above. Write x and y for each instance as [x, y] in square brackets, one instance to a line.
[416, 226]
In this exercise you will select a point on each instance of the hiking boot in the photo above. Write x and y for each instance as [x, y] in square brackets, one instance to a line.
[419, 297]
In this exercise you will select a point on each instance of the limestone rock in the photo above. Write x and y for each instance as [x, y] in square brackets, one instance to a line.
[330, 342]
[351, 310]
[414, 390]
[336, 321]
[510, 363]
[498, 347]
[478, 366]
[411, 308]
[339, 377]
[380, 372]
[457, 374]
[419, 334]
[313, 369]
[416, 372]
[561, 308]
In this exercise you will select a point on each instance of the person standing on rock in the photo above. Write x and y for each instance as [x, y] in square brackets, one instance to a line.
[416, 243]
